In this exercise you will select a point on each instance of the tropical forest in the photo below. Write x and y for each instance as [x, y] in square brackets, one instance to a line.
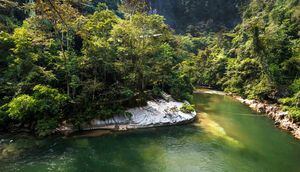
[150, 85]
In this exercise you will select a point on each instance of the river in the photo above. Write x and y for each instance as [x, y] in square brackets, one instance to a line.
[227, 136]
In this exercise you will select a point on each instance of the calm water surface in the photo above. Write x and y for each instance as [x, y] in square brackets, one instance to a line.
[228, 136]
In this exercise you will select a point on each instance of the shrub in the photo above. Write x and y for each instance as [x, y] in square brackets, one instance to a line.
[46, 127]
[45, 106]
[187, 108]
[21, 107]
[295, 87]
[291, 104]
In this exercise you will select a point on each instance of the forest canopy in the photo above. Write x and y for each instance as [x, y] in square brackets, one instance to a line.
[70, 60]
[66, 63]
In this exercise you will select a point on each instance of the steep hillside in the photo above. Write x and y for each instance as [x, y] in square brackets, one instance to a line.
[258, 59]
[199, 15]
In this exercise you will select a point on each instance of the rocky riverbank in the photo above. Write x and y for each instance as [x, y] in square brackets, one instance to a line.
[157, 113]
[273, 111]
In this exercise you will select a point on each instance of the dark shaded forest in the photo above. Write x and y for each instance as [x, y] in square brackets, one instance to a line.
[194, 17]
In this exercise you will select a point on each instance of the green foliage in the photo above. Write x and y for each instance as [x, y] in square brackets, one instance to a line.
[101, 6]
[292, 105]
[291, 101]
[11, 14]
[49, 100]
[22, 107]
[45, 105]
[46, 127]
[86, 63]
[187, 108]
[295, 86]
[262, 90]
[259, 59]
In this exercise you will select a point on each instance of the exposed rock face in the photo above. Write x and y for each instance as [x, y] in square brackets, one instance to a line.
[202, 15]
[156, 113]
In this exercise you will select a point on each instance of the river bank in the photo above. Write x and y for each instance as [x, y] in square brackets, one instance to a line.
[273, 111]
[230, 137]
[157, 113]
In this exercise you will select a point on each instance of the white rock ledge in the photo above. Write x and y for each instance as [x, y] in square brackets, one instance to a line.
[156, 113]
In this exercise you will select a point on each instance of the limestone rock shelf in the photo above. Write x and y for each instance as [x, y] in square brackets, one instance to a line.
[156, 113]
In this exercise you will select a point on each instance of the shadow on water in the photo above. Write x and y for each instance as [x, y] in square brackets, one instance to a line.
[143, 150]
[24, 150]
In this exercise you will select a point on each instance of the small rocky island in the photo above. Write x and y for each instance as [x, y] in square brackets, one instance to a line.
[161, 112]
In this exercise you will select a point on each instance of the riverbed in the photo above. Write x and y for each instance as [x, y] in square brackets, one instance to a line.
[227, 136]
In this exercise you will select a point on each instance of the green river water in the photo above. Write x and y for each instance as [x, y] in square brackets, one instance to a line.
[228, 136]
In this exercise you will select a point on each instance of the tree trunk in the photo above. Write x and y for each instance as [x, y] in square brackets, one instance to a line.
[65, 63]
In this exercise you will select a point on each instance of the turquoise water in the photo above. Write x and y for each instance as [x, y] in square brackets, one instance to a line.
[228, 136]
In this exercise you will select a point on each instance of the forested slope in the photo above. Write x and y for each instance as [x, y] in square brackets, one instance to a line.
[259, 58]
